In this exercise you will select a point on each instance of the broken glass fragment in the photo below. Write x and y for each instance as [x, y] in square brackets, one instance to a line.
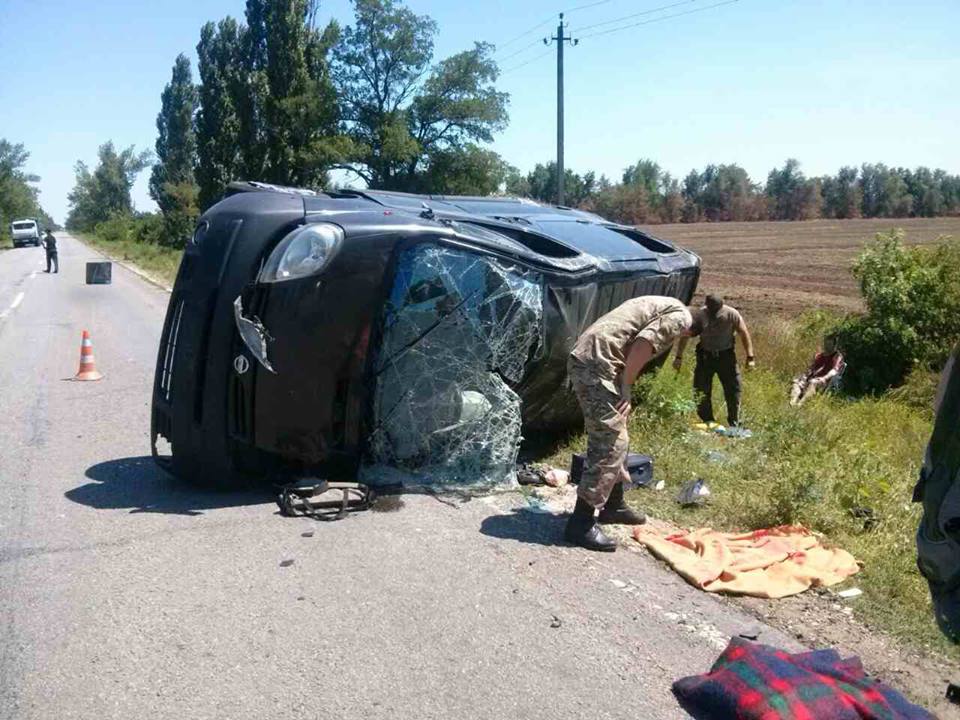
[459, 329]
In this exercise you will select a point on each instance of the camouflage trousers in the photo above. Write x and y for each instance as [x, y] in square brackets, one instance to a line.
[607, 439]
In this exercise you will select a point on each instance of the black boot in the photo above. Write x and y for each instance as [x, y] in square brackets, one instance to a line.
[583, 530]
[617, 512]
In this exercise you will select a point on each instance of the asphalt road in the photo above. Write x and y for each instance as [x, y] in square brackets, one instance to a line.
[125, 594]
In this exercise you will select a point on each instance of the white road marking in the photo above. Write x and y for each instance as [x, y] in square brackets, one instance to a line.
[16, 301]
[33, 274]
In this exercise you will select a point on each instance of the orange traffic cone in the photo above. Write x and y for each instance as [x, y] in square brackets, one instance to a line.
[88, 369]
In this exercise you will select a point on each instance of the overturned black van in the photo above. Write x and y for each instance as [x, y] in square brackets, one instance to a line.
[384, 334]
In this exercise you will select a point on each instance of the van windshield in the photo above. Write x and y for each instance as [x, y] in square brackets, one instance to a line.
[24, 226]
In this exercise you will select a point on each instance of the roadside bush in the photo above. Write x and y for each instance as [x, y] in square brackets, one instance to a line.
[913, 312]
[114, 229]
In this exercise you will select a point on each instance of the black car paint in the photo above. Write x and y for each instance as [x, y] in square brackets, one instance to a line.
[311, 413]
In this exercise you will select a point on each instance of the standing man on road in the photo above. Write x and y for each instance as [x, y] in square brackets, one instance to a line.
[50, 245]
[606, 360]
[718, 323]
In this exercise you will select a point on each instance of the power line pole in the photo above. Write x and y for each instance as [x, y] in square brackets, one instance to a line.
[560, 39]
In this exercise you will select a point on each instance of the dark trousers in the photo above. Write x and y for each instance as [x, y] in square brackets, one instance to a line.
[52, 258]
[723, 364]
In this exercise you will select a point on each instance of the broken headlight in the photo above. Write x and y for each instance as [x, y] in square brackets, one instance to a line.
[304, 252]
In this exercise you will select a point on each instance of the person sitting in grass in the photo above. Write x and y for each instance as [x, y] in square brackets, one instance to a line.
[826, 365]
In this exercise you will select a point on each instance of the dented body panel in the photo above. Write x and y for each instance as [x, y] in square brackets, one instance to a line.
[257, 376]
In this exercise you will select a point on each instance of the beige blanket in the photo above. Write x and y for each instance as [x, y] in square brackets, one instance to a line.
[770, 563]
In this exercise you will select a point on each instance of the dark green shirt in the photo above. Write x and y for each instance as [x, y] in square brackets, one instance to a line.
[718, 331]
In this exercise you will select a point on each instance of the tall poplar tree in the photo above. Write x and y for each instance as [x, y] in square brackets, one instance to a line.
[172, 183]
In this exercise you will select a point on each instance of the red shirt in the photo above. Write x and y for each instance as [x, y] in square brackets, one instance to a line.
[822, 364]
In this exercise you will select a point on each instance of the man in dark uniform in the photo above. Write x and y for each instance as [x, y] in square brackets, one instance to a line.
[718, 324]
[50, 245]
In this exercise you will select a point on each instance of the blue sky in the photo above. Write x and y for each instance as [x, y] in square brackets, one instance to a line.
[753, 82]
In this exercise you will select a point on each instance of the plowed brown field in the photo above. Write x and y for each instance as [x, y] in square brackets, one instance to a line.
[783, 268]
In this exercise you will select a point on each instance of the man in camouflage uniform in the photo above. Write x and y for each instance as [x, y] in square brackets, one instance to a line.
[606, 360]
[938, 537]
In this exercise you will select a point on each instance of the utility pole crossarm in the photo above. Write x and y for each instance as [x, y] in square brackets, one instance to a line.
[560, 39]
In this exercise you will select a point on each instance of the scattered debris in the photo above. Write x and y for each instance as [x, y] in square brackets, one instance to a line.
[307, 534]
[557, 478]
[387, 504]
[287, 563]
[850, 593]
[305, 496]
[866, 514]
[619, 584]
[538, 474]
[693, 493]
[751, 633]
[556, 622]
[953, 693]
[640, 468]
[716, 456]
[737, 433]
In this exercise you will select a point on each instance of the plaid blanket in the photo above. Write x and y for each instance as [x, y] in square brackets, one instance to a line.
[757, 682]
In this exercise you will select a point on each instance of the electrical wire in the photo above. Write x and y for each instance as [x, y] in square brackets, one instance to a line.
[665, 17]
[527, 62]
[520, 51]
[639, 14]
[512, 40]
[587, 5]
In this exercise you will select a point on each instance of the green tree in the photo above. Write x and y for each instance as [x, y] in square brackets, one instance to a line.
[884, 191]
[18, 196]
[172, 183]
[791, 195]
[627, 203]
[403, 115]
[218, 126]
[842, 196]
[912, 297]
[105, 192]
[290, 93]
[719, 193]
[926, 189]
[541, 184]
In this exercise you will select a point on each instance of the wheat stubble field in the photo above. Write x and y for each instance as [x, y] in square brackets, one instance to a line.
[784, 268]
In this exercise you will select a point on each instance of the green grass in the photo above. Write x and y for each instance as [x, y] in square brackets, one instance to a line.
[811, 465]
[157, 261]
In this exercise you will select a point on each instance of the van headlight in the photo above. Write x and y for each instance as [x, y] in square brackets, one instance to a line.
[305, 251]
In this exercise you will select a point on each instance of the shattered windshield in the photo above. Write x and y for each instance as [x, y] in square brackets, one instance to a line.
[459, 329]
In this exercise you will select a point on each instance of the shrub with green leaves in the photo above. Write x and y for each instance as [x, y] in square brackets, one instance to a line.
[912, 296]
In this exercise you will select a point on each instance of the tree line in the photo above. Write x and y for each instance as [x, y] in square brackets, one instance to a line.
[19, 197]
[280, 99]
[647, 194]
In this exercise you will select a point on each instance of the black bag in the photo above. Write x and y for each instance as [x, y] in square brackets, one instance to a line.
[639, 466]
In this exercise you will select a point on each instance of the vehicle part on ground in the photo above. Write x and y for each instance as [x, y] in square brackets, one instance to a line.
[323, 333]
[938, 537]
[310, 497]
[99, 272]
[459, 328]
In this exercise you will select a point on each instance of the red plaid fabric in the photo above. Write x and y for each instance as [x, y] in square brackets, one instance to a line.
[750, 681]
